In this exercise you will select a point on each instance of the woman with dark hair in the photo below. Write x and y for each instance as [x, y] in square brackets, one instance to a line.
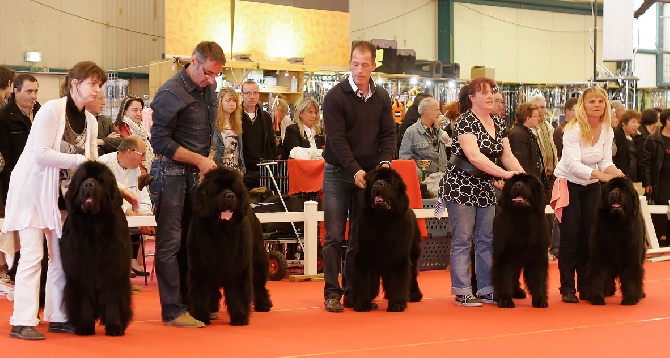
[656, 175]
[63, 136]
[586, 161]
[129, 122]
[467, 191]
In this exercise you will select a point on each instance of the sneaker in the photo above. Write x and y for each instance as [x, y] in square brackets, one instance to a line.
[213, 315]
[185, 320]
[468, 301]
[333, 305]
[551, 257]
[60, 327]
[5, 288]
[26, 332]
[487, 298]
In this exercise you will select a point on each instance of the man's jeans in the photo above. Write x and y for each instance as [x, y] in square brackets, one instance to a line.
[340, 197]
[468, 224]
[173, 193]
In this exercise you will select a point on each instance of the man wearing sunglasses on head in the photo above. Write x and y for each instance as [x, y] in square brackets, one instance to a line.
[184, 117]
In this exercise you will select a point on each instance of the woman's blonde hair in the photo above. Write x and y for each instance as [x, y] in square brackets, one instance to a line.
[235, 117]
[581, 119]
[304, 105]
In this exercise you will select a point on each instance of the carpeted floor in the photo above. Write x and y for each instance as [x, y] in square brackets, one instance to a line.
[298, 326]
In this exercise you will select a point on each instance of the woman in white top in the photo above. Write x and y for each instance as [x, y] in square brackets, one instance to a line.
[63, 136]
[586, 161]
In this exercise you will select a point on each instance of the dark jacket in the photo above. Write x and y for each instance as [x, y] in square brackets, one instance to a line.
[258, 149]
[652, 161]
[105, 128]
[558, 139]
[14, 129]
[360, 133]
[527, 150]
[293, 139]
[622, 158]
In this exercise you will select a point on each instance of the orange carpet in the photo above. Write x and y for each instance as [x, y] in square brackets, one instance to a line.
[298, 326]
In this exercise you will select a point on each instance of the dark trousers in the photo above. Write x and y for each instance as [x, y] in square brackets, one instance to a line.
[573, 253]
[340, 200]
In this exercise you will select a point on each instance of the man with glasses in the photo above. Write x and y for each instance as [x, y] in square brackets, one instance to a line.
[258, 135]
[184, 118]
[423, 140]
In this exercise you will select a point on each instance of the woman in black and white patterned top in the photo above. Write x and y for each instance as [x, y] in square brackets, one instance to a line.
[467, 191]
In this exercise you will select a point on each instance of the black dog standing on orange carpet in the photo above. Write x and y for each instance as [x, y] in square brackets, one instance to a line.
[388, 244]
[96, 252]
[617, 245]
[520, 242]
[225, 250]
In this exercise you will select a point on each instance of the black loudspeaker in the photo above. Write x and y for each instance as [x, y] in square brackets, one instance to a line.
[387, 55]
[430, 69]
[406, 60]
[451, 70]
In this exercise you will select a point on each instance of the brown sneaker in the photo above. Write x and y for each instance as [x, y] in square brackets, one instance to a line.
[333, 305]
[185, 320]
[26, 332]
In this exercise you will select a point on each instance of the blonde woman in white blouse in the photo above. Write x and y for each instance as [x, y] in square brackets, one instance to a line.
[586, 161]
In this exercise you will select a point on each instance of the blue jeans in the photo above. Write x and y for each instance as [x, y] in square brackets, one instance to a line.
[468, 224]
[173, 193]
[340, 199]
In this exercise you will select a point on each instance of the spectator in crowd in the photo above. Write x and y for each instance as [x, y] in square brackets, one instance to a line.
[617, 110]
[523, 141]
[648, 122]
[183, 119]
[423, 140]
[227, 138]
[361, 136]
[412, 115]
[280, 117]
[16, 120]
[467, 190]
[6, 77]
[498, 105]
[545, 132]
[451, 114]
[626, 135]
[570, 113]
[125, 164]
[108, 137]
[129, 122]
[306, 132]
[586, 161]
[656, 175]
[258, 135]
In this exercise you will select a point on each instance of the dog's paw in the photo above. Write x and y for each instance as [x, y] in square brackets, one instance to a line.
[396, 307]
[505, 302]
[629, 300]
[519, 293]
[263, 305]
[363, 307]
[540, 302]
[114, 330]
[85, 330]
[597, 300]
[239, 321]
[415, 296]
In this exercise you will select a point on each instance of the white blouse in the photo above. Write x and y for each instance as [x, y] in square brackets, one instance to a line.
[580, 159]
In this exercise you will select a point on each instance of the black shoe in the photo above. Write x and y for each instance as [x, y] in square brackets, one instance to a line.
[333, 305]
[349, 304]
[26, 332]
[139, 273]
[570, 298]
[60, 327]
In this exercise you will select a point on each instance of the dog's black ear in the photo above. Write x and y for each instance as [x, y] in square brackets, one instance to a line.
[505, 196]
[201, 204]
[634, 198]
[241, 194]
[401, 188]
[604, 192]
[538, 198]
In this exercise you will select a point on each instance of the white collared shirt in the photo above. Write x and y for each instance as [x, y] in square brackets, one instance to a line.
[359, 92]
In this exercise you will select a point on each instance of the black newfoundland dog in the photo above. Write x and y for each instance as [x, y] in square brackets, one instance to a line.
[520, 242]
[617, 245]
[226, 250]
[96, 252]
[388, 244]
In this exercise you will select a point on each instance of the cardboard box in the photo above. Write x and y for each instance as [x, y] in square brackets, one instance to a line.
[483, 71]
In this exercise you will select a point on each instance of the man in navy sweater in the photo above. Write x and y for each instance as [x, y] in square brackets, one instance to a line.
[361, 136]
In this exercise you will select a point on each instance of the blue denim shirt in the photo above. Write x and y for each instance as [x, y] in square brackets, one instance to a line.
[418, 144]
[183, 116]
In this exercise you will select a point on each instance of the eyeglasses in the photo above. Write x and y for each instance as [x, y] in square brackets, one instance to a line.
[249, 93]
[139, 153]
[207, 73]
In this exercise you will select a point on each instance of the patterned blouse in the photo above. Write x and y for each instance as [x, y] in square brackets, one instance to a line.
[458, 186]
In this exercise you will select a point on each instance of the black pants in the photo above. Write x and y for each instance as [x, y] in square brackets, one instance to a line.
[573, 253]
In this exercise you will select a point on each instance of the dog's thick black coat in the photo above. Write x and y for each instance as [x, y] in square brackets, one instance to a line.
[96, 253]
[388, 244]
[520, 242]
[226, 250]
[617, 244]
